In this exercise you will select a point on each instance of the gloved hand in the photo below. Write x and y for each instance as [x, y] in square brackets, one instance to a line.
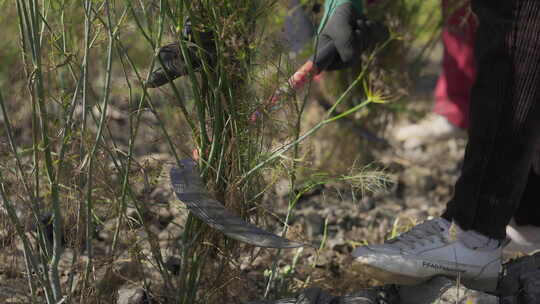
[173, 66]
[173, 61]
[349, 30]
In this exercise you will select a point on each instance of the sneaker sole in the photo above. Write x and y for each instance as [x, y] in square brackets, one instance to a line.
[385, 276]
[388, 277]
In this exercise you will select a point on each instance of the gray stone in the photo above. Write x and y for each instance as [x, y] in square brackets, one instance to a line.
[314, 224]
[441, 290]
[133, 296]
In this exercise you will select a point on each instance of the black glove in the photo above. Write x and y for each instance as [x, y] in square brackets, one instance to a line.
[351, 33]
[173, 66]
[173, 61]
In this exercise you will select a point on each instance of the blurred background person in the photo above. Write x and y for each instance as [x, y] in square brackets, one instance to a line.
[450, 113]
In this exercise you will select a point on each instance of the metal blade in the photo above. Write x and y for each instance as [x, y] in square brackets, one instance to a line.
[190, 189]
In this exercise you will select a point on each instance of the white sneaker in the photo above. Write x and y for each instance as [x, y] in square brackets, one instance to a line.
[433, 248]
[524, 239]
[432, 127]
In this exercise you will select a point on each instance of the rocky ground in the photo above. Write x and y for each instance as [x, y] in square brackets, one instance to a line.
[332, 214]
[423, 178]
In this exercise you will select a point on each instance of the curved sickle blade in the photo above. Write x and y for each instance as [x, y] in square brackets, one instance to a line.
[190, 189]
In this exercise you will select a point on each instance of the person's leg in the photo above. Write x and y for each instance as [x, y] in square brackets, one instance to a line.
[524, 229]
[528, 212]
[505, 117]
[504, 131]
[452, 93]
